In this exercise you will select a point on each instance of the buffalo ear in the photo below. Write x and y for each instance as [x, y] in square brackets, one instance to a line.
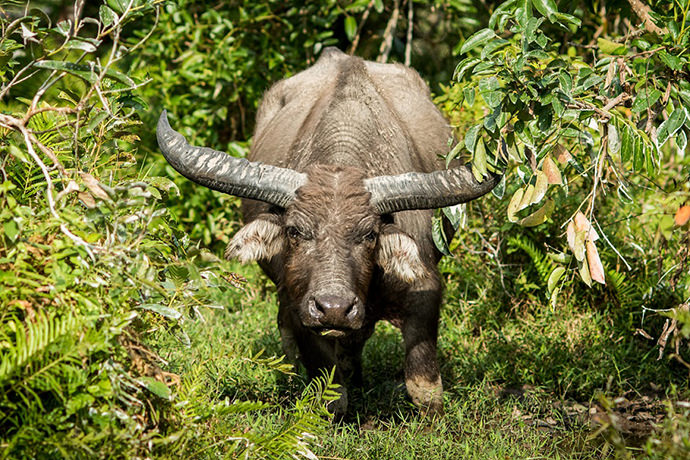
[261, 239]
[398, 255]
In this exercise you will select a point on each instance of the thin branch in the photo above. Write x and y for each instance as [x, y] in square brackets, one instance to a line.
[642, 11]
[360, 27]
[410, 26]
[387, 43]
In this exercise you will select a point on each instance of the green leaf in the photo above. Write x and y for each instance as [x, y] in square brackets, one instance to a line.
[85, 72]
[479, 159]
[627, 144]
[471, 137]
[614, 141]
[645, 99]
[156, 387]
[464, 66]
[672, 61]
[439, 236]
[554, 278]
[378, 6]
[638, 153]
[11, 229]
[162, 310]
[670, 126]
[454, 153]
[350, 27]
[469, 94]
[610, 47]
[107, 15]
[546, 7]
[477, 39]
[456, 215]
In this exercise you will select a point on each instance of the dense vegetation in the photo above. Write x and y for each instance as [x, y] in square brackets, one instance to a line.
[123, 332]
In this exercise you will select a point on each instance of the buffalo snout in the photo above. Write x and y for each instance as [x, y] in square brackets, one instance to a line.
[335, 311]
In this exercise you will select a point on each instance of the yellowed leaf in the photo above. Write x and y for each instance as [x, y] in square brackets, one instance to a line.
[553, 174]
[576, 241]
[596, 269]
[540, 186]
[682, 215]
[582, 224]
[539, 216]
[87, 199]
[514, 203]
[584, 273]
[562, 154]
[94, 186]
[526, 198]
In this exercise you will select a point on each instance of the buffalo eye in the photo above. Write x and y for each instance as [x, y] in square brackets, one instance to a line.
[295, 233]
[368, 237]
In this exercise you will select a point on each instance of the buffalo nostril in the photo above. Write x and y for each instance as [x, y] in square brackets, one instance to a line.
[315, 309]
[335, 309]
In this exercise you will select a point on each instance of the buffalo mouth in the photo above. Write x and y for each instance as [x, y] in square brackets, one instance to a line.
[327, 331]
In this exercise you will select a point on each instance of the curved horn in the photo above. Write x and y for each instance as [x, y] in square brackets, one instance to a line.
[219, 171]
[427, 190]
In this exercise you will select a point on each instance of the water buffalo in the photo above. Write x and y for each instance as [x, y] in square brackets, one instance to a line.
[342, 178]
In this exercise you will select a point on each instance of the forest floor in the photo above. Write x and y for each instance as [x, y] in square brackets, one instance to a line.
[521, 381]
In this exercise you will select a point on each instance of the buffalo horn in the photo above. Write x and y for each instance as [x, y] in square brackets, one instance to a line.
[437, 189]
[219, 171]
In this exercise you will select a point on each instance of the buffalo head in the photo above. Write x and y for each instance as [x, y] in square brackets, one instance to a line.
[332, 228]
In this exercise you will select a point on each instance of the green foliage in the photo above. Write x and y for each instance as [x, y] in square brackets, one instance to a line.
[91, 261]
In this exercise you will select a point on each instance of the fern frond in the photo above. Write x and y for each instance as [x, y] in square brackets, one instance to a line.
[34, 362]
[542, 263]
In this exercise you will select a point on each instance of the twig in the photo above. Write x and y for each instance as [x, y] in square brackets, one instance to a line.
[642, 11]
[387, 43]
[410, 26]
[360, 27]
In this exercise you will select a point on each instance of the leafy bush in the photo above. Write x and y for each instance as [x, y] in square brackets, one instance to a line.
[91, 261]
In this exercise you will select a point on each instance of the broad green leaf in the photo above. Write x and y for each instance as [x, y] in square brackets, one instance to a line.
[162, 310]
[464, 66]
[627, 144]
[614, 142]
[471, 137]
[672, 61]
[609, 47]
[584, 273]
[554, 278]
[560, 257]
[645, 99]
[455, 151]
[681, 142]
[85, 72]
[638, 153]
[107, 15]
[378, 6]
[546, 7]
[11, 229]
[439, 236]
[477, 39]
[670, 126]
[156, 387]
[479, 159]
[350, 27]
[469, 94]
[456, 215]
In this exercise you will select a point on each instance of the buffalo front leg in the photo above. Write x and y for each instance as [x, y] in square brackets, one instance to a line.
[422, 374]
